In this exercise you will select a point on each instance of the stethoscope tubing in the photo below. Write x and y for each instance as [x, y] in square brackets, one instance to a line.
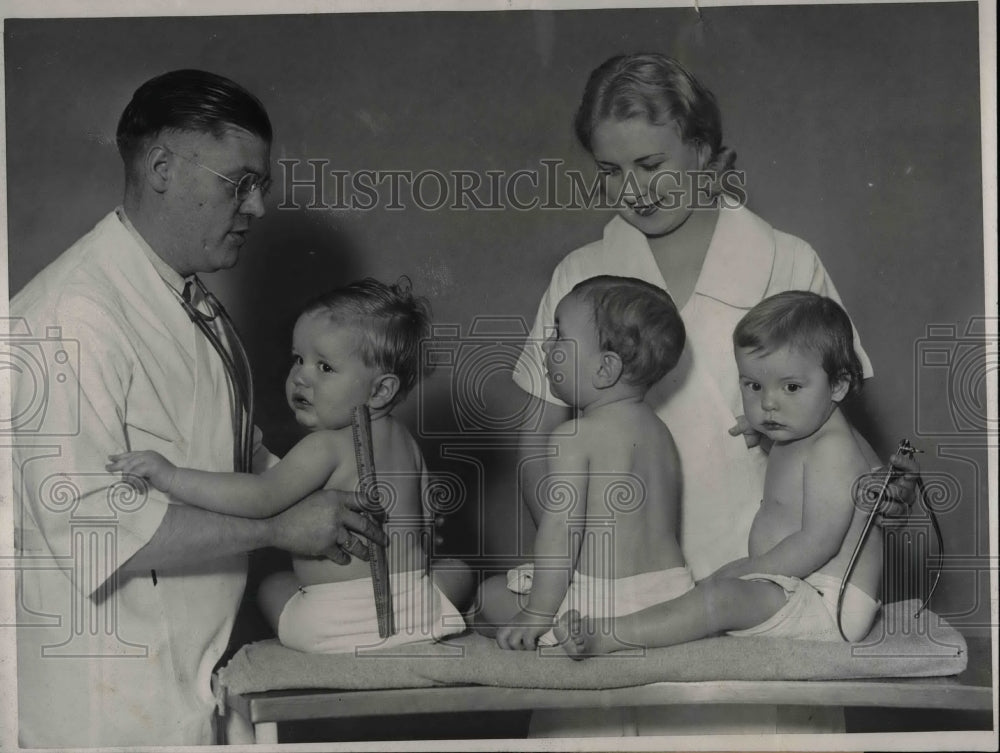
[240, 380]
[919, 491]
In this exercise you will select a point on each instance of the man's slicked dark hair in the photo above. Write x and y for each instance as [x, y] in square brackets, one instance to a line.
[189, 100]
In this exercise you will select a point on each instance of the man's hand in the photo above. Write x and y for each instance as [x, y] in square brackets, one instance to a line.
[147, 464]
[900, 493]
[324, 524]
[524, 631]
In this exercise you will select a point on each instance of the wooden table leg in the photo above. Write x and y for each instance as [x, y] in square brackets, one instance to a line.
[266, 733]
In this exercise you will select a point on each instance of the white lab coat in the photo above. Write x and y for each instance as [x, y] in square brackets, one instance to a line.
[699, 400]
[127, 370]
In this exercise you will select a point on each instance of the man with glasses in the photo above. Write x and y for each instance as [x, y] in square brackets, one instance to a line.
[126, 602]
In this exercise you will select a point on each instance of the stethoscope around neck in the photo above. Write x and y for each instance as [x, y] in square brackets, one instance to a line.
[238, 375]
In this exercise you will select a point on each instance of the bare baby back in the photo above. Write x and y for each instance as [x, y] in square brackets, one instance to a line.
[400, 471]
[867, 574]
[633, 493]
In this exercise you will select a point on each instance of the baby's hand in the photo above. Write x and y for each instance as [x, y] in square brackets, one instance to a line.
[524, 631]
[750, 435]
[146, 464]
[733, 569]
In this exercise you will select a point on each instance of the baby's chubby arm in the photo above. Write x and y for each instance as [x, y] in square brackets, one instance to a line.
[147, 464]
[306, 468]
[562, 499]
[827, 510]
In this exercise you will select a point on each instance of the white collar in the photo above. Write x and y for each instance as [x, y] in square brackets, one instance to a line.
[164, 270]
[739, 261]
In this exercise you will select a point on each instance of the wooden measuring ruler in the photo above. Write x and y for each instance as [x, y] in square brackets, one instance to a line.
[361, 424]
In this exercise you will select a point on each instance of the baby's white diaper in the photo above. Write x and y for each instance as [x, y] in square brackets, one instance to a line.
[608, 597]
[334, 618]
[810, 611]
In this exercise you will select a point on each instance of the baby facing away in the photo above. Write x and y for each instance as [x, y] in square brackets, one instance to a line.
[797, 363]
[356, 345]
[606, 543]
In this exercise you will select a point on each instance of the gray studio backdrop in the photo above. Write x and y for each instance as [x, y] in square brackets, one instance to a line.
[857, 127]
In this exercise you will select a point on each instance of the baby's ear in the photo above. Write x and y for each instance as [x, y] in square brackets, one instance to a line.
[384, 389]
[609, 370]
[704, 154]
[841, 387]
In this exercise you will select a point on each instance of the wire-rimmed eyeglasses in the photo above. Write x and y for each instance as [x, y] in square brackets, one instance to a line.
[243, 187]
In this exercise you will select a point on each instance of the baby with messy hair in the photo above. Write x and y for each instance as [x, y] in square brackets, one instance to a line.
[606, 542]
[356, 345]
